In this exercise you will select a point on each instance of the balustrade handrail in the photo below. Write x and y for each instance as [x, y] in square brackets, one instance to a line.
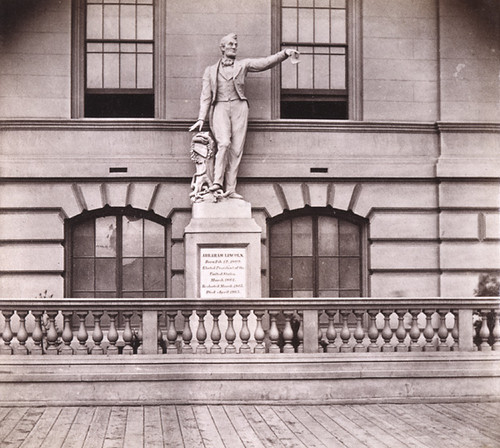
[359, 303]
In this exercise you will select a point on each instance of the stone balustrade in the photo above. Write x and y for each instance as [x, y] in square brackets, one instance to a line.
[247, 326]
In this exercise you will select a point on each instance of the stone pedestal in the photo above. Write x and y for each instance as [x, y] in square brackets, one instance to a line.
[222, 243]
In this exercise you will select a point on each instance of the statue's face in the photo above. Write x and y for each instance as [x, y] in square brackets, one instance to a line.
[230, 48]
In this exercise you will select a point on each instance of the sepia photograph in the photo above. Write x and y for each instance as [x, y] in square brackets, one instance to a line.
[250, 223]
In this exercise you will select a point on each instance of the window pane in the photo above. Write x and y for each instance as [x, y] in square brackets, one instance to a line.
[306, 25]
[127, 71]
[281, 238]
[322, 3]
[328, 293]
[322, 26]
[289, 2]
[105, 274]
[132, 236]
[302, 236]
[145, 71]
[154, 239]
[328, 229]
[111, 30]
[155, 295]
[349, 238]
[282, 293]
[106, 236]
[281, 273]
[338, 72]
[304, 293]
[349, 273]
[83, 239]
[94, 70]
[94, 22]
[83, 274]
[303, 277]
[321, 72]
[288, 76]
[154, 274]
[132, 274]
[328, 273]
[145, 22]
[338, 26]
[127, 22]
[289, 25]
[111, 71]
[305, 69]
[306, 3]
[350, 293]
[338, 3]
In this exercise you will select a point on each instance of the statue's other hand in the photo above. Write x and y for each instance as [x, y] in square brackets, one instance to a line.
[293, 55]
[198, 124]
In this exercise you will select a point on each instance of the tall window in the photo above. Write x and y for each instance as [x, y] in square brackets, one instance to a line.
[315, 256]
[317, 86]
[118, 255]
[119, 58]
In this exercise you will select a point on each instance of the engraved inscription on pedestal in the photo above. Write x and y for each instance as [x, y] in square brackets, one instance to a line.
[222, 272]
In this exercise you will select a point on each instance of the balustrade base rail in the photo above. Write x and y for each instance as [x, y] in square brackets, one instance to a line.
[235, 378]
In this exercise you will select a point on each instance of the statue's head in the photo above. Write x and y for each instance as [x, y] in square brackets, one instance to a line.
[229, 45]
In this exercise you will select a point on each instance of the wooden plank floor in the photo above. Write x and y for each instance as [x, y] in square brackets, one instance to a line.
[463, 425]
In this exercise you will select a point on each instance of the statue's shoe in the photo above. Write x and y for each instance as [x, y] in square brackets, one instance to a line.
[234, 195]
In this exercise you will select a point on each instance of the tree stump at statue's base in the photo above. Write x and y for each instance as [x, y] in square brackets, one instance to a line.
[222, 243]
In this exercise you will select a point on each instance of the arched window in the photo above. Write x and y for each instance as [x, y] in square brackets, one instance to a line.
[117, 253]
[316, 253]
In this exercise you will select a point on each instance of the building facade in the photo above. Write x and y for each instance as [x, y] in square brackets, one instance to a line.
[372, 167]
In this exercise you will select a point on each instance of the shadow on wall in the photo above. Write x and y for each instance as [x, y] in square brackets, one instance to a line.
[14, 14]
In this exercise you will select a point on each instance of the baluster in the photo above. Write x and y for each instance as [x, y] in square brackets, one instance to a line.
[300, 333]
[415, 332]
[216, 334]
[331, 332]
[37, 334]
[345, 333]
[230, 333]
[484, 333]
[161, 341]
[454, 331]
[139, 335]
[187, 334]
[288, 333]
[82, 334]
[67, 334]
[259, 334]
[429, 332]
[321, 343]
[496, 330]
[274, 333]
[97, 335]
[7, 334]
[373, 331]
[443, 332]
[387, 331]
[244, 332]
[201, 333]
[128, 335]
[359, 332]
[171, 333]
[22, 334]
[112, 334]
[52, 336]
[401, 332]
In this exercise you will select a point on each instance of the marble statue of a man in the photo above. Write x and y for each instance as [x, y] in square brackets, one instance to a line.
[223, 100]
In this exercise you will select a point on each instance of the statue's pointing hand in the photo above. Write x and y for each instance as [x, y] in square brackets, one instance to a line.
[293, 54]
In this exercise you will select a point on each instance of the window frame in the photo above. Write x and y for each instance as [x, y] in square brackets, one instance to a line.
[354, 76]
[340, 215]
[78, 65]
[118, 212]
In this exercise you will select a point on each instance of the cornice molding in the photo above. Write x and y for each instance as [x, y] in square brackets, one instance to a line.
[255, 125]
